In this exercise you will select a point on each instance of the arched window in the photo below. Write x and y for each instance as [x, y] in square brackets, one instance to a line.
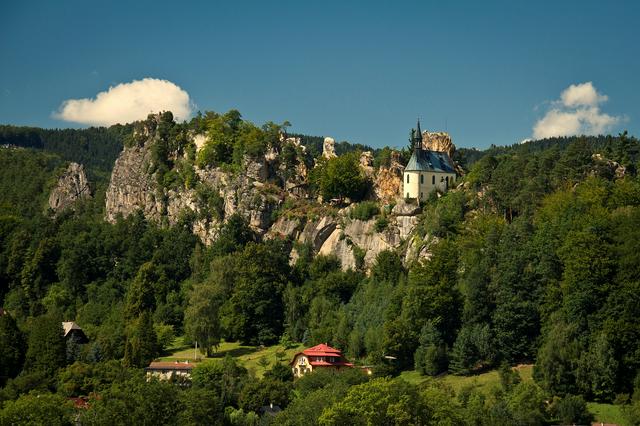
[421, 178]
[433, 180]
[407, 177]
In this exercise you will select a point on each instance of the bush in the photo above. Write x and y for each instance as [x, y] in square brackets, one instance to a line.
[572, 410]
[364, 211]
[381, 224]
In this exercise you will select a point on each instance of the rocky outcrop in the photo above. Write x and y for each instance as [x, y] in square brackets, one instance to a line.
[72, 186]
[438, 141]
[329, 148]
[388, 181]
[134, 187]
[366, 163]
[256, 192]
[441, 142]
[607, 168]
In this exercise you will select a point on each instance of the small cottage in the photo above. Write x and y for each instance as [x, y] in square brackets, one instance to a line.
[166, 370]
[319, 356]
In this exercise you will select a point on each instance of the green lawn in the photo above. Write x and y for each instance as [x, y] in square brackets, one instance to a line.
[607, 413]
[483, 382]
[254, 358]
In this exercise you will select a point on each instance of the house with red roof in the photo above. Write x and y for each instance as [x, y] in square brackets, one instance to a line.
[319, 356]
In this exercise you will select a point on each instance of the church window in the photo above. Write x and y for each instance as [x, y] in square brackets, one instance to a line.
[407, 178]
[421, 178]
[433, 180]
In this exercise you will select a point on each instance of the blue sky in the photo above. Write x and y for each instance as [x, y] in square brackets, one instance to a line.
[360, 71]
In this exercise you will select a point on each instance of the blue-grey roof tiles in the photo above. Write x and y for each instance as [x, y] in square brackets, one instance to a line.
[423, 160]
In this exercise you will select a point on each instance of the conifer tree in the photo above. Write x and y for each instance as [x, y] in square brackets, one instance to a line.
[47, 350]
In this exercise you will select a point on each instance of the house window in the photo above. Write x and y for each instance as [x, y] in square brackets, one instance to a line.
[433, 180]
[301, 361]
[407, 178]
[421, 178]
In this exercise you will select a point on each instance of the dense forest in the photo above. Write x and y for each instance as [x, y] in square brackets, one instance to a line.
[534, 260]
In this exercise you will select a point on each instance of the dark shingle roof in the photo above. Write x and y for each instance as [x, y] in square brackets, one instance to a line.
[423, 160]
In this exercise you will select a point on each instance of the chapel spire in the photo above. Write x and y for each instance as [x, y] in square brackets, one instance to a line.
[416, 136]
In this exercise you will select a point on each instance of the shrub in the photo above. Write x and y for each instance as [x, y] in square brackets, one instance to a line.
[381, 224]
[573, 410]
[365, 210]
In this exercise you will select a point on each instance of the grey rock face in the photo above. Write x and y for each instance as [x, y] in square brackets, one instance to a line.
[403, 208]
[71, 187]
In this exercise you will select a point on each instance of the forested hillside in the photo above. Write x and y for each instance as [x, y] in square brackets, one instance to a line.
[533, 259]
[95, 147]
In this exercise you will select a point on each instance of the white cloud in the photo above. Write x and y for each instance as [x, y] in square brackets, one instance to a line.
[127, 102]
[582, 95]
[576, 113]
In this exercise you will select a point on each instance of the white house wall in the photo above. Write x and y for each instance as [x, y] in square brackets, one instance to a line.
[414, 188]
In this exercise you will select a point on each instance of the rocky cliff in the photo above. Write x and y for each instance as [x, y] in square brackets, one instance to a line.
[72, 186]
[257, 192]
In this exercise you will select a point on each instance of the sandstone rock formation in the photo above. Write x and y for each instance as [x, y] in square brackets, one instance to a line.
[366, 162]
[388, 182]
[441, 142]
[71, 187]
[329, 148]
[256, 191]
[438, 141]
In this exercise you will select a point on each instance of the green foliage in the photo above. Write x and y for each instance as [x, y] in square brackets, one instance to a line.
[201, 407]
[443, 217]
[141, 345]
[256, 394]
[431, 356]
[472, 350]
[385, 401]
[135, 401]
[225, 377]
[381, 224]
[12, 348]
[429, 296]
[210, 203]
[202, 321]
[96, 147]
[340, 177]
[46, 351]
[234, 235]
[230, 139]
[37, 409]
[364, 210]
[572, 410]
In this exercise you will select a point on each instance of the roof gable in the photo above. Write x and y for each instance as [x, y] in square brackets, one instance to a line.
[322, 350]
